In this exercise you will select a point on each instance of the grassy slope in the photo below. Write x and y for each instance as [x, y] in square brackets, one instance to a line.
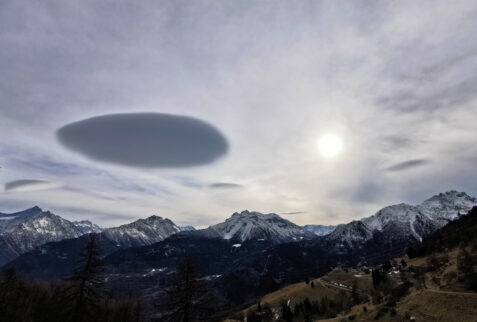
[296, 293]
[425, 305]
[445, 302]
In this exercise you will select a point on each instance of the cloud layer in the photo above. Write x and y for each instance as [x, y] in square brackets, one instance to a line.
[396, 86]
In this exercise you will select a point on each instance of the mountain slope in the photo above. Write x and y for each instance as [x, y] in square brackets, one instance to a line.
[248, 225]
[141, 232]
[57, 259]
[421, 220]
[87, 227]
[365, 242]
[446, 295]
[319, 230]
[23, 231]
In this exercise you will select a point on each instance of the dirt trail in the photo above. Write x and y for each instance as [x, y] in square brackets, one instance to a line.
[451, 292]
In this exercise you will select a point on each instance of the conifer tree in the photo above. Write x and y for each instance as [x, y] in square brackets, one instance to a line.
[287, 313]
[188, 296]
[82, 295]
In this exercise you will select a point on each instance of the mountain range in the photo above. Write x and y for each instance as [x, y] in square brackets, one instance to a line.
[26, 230]
[253, 252]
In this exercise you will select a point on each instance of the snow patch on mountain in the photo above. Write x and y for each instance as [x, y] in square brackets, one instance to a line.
[319, 230]
[142, 232]
[187, 228]
[87, 227]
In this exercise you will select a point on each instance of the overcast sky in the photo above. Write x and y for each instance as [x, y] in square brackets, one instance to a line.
[245, 90]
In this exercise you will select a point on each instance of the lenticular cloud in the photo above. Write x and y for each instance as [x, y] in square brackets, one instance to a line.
[145, 140]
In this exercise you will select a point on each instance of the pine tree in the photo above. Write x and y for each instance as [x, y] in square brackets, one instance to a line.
[387, 266]
[287, 313]
[354, 293]
[9, 295]
[325, 306]
[465, 265]
[307, 305]
[82, 295]
[188, 294]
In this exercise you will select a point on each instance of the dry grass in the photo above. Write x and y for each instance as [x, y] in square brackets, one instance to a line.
[426, 305]
[446, 302]
[429, 305]
[296, 293]
[339, 275]
[440, 301]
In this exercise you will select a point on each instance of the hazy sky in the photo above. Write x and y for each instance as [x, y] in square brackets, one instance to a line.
[245, 89]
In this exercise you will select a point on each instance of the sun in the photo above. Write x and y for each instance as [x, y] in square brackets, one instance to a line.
[330, 145]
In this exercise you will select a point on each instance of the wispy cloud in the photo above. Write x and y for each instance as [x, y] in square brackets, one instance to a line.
[407, 165]
[25, 185]
[225, 185]
[293, 213]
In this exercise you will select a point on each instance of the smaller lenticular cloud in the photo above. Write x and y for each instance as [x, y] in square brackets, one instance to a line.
[26, 185]
[407, 165]
[145, 140]
[225, 185]
[292, 213]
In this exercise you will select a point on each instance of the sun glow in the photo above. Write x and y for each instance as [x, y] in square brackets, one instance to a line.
[330, 145]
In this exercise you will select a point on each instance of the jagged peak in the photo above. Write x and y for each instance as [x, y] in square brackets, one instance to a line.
[151, 220]
[451, 194]
[155, 217]
[32, 210]
[251, 224]
[244, 213]
[248, 213]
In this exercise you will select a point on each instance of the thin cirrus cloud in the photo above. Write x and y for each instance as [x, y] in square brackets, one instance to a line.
[407, 165]
[26, 185]
[225, 185]
[145, 140]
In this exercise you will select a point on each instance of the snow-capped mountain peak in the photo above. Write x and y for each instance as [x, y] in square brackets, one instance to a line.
[12, 218]
[248, 225]
[142, 232]
[22, 231]
[399, 212]
[448, 205]
[407, 221]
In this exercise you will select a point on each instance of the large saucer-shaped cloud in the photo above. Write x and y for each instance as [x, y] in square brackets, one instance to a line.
[145, 140]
